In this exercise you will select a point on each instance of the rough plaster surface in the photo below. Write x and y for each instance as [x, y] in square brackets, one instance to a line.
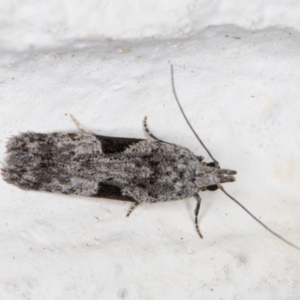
[28, 24]
[240, 90]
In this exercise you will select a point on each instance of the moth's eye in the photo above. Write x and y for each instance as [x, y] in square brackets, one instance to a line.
[212, 188]
[211, 164]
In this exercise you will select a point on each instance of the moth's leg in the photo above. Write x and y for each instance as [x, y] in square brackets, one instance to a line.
[198, 199]
[78, 125]
[133, 206]
[148, 131]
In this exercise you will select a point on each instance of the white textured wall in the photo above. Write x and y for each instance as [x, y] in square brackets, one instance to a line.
[27, 24]
[107, 62]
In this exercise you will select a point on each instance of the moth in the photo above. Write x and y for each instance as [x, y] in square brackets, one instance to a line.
[127, 169]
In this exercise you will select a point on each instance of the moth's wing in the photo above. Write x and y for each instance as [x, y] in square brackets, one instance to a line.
[110, 146]
[62, 162]
[63, 183]
[98, 166]
[152, 171]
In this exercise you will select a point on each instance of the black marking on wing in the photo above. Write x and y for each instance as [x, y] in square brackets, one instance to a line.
[106, 190]
[111, 145]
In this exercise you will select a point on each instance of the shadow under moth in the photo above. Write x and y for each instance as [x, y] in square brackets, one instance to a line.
[127, 169]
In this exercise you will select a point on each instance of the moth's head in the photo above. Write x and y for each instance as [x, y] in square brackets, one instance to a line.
[208, 177]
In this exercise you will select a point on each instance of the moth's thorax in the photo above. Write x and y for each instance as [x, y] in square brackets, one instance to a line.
[184, 172]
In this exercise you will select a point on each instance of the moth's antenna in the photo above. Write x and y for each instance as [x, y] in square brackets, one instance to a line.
[217, 165]
[256, 219]
[186, 119]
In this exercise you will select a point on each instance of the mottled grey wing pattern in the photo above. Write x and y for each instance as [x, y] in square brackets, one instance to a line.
[58, 162]
[97, 166]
